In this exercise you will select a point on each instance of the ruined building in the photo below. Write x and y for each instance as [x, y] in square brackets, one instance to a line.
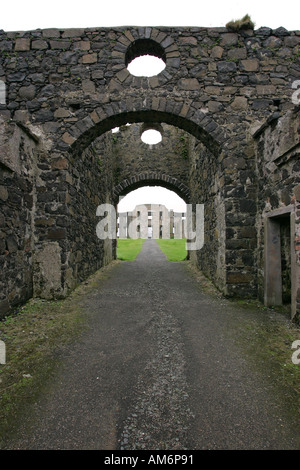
[151, 221]
[227, 106]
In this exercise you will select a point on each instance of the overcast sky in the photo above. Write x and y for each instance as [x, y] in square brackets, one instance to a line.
[33, 14]
[24, 15]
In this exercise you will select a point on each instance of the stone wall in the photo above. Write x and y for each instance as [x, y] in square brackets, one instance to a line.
[17, 201]
[72, 189]
[68, 88]
[207, 188]
[133, 157]
[92, 175]
[61, 76]
[90, 183]
[278, 165]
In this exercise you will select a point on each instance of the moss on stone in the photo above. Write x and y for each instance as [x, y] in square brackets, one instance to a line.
[243, 23]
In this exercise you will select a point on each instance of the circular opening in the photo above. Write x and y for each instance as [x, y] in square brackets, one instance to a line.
[151, 137]
[146, 66]
[145, 58]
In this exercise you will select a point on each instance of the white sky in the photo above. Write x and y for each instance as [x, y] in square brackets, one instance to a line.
[24, 15]
[33, 14]
[152, 195]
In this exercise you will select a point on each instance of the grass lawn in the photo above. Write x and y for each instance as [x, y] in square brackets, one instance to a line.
[173, 248]
[128, 249]
[33, 338]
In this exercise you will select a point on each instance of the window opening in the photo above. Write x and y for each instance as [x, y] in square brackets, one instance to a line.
[145, 58]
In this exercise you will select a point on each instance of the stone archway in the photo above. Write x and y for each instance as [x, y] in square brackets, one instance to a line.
[152, 179]
[217, 86]
[90, 178]
[85, 172]
[161, 214]
[102, 119]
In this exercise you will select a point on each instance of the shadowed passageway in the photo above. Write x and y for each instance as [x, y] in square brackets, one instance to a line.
[158, 368]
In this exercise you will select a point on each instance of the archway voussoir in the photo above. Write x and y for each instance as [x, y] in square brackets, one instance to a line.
[199, 116]
[154, 33]
[85, 124]
[144, 179]
[68, 139]
[194, 114]
[130, 34]
[161, 37]
[109, 110]
[211, 126]
[141, 31]
[124, 40]
[167, 42]
[75, 131]
[164, 76]
[162, 104]
[184, 110]
[101, 113]
[219, 135]
[155, 110]
[123, 74]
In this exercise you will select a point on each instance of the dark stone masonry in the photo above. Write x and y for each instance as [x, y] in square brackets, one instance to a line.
[227, 106]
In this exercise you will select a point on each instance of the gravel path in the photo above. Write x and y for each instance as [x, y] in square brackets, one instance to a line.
[158, 369]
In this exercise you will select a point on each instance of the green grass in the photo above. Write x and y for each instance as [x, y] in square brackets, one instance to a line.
[33, 338]
[128, 249]
[173, 248]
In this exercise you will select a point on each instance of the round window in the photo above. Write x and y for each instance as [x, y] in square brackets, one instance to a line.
[151, 133]
[151, 137]
[145, 58]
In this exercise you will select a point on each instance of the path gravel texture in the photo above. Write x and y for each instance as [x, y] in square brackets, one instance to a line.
[158, 368]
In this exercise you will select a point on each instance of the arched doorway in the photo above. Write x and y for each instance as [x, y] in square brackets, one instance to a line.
[156, 207]
[102, 165]
[151, 213]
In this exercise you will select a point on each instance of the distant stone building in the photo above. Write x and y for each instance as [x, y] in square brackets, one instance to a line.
[151, 221]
